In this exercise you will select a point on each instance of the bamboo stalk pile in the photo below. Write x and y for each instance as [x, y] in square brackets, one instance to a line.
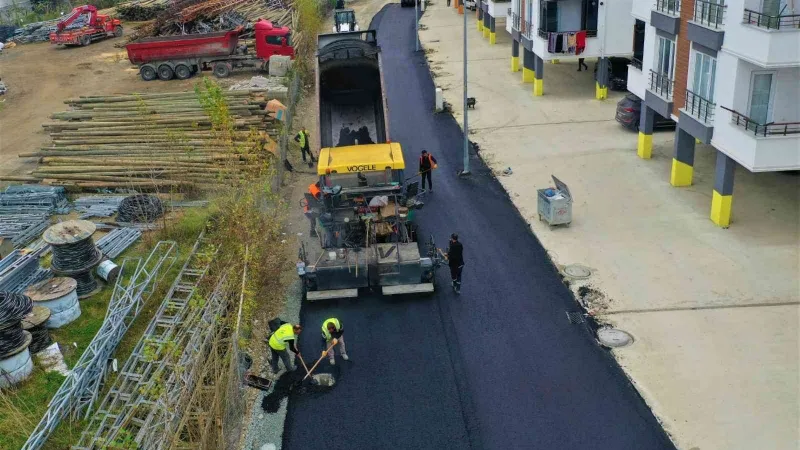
[155, 141]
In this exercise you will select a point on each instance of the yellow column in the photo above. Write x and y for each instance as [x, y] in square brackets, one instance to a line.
[681, 174]
[721, 209]
[528, 75]
[645, 146]
[538, 87]
[515, 63]
[600, 93]
[492, 38]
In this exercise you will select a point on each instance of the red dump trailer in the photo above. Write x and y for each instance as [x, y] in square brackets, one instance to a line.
[182, 56]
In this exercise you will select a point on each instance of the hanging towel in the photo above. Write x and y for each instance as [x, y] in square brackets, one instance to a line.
[571, 43]
[559, 43]
[580, 42]
[551, 42]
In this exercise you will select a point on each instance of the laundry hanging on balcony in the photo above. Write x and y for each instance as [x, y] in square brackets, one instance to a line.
[569, 42]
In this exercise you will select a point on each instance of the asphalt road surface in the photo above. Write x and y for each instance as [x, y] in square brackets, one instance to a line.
[498, 367]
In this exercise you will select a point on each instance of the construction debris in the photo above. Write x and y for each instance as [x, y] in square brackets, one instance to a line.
[155, 141]
[34, 32]
[274, 84]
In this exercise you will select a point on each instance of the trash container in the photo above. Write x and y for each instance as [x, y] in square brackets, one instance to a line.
[555, 205]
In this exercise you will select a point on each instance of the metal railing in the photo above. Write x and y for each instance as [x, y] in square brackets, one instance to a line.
[671, 7]
[709, 13]
[699, 107]
[779, 22]
[661, 84]
[636, 62]
[526, 28]
[764, 130]
[546, 34]
[515, 21]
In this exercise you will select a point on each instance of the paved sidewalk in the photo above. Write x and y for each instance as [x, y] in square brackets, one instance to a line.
[714, 312]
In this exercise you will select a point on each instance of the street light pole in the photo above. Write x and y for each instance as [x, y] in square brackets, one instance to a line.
[466, 128]
[416, 16]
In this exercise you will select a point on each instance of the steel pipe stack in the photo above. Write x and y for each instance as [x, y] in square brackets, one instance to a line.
[74, 253]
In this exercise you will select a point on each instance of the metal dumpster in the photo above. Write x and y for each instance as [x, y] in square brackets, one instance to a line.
[555, 205]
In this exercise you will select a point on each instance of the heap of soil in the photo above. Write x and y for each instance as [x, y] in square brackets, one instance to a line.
[292, 383]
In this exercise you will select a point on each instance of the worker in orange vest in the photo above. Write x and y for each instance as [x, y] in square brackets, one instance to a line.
[426, 165]
[316, 192]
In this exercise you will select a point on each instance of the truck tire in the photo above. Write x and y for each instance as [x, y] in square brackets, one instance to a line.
[148, 72]
[165, 72]
[118, 31]
[222, 70]
[183, 72]
[85, 40]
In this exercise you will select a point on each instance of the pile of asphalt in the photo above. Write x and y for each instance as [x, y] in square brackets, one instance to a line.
[292, 383]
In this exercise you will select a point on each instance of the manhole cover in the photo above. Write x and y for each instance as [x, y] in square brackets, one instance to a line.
[577, 271]
[612, 337]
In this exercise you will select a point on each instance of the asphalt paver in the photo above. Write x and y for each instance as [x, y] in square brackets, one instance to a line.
[499, 366]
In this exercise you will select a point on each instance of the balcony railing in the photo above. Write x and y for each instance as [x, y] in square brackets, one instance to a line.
[546, 34]
[764, 130]
[709, 13]
[514, 20]
[671, 7]
[699, 107]
[780, 22]
[526, 28]
[636, 62]
[661, 84]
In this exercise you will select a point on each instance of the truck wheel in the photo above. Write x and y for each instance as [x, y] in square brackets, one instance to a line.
[183, 72]
[148, 73]
[85, 40]
[165, 72]
[118, 31]
[222, 70]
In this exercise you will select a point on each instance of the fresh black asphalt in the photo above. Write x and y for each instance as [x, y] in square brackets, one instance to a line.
[498, 367]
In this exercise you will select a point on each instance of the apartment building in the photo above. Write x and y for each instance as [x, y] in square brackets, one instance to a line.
[551, 30]
[728, 72]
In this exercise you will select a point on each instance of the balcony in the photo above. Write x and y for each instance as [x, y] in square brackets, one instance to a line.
[697, 117]
[557, 42]
[767, 22]
[658, 95]
[709, 14]
[514, 20]
[636, 62]
[758, 147]
[526, 29]
[666, 16]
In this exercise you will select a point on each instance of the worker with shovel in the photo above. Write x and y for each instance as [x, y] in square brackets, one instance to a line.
[426, 165]
[332, 331]
[285, 336]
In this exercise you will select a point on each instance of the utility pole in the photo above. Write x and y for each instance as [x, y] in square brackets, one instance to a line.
[466, 128]
[416, 16]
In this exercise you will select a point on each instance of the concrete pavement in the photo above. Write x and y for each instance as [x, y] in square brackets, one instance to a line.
[714, 312]
[499, 366]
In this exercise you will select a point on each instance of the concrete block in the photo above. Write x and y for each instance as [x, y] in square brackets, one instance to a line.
[279, 65]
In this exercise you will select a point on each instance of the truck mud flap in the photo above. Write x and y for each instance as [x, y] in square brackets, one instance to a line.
[333, 293]
[421, 288]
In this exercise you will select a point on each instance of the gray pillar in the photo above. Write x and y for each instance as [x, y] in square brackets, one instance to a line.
[647, 120]
[528, 63]
[602, 72]
[723, 174]
[683, 162]
[515, 48]
[538, 82]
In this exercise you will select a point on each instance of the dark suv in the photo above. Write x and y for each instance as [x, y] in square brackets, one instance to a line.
[617, 73]
[629, 109]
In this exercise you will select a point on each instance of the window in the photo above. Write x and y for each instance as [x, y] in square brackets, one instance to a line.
[665, 62]
[704, 69]
[761, 97]
[274, 40]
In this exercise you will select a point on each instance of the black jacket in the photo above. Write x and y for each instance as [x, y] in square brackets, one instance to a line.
[426, 162]
[455, 254]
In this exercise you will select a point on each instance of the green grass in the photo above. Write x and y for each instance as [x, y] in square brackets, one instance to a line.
[22, 407]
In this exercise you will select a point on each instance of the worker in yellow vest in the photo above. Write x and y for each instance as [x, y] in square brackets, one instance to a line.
[304, 139]
[285, 336]
[332, 329]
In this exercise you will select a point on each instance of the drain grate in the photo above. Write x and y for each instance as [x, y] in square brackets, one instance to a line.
[575, 317]
[577, 271]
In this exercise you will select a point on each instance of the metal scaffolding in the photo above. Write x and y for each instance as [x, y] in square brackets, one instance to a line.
[144, 404]
[80, 389]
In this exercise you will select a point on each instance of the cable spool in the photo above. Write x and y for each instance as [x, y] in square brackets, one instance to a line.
[140, 208]
[15, 359]
[34, 323]
[60, 296]
[74, 253]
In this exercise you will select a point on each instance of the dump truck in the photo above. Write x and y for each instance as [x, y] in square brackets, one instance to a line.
[167, 57]
[364, 213]
[83, 26]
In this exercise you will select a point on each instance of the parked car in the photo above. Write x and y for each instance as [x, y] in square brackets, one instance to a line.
[629, 109]
[617, 73]
[472, 5]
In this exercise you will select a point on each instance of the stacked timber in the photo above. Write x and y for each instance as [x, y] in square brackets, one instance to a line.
[156, 141]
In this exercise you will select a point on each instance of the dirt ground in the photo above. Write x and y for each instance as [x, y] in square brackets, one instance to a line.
[39, 77]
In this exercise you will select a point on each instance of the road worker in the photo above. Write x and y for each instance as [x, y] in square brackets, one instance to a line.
[304, 139]
[426, 165]
[285, 336]
[315, 192]
[455, 259]
[332, 329]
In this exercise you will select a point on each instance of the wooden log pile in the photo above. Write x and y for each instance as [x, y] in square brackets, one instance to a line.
[156, 141]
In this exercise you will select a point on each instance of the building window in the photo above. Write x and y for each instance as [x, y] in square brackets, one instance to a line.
[638, 44]
[665, 62]
[704, 70]
[761, 94]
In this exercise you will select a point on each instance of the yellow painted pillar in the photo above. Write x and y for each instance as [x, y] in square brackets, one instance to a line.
[645, 146]
[683, 161]
[722, 196]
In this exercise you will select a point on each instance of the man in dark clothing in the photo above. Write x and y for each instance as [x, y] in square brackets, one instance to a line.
[304, 140]
[426, 165]
[455, 259]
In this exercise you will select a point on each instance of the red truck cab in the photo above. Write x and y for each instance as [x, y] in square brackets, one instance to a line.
[272, 40]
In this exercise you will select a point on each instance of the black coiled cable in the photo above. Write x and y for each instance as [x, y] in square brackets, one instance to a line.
[76, 257]
[13, 307]
[86, 283]
[34, 324]
[140, 208]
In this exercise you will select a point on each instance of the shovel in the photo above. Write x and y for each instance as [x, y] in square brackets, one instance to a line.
[333, 344]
